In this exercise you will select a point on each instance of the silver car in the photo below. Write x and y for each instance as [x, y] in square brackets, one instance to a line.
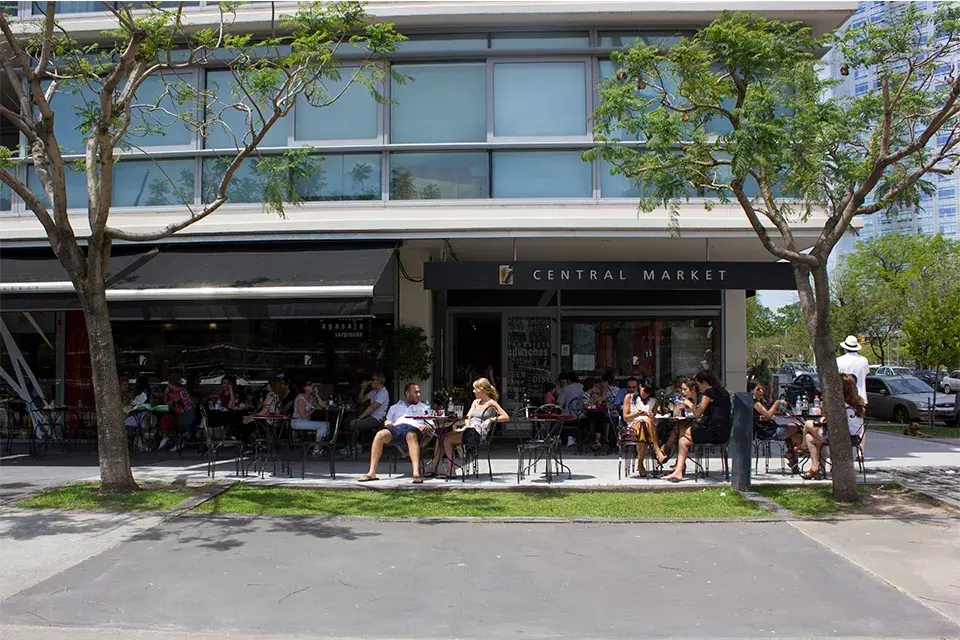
[906, 399]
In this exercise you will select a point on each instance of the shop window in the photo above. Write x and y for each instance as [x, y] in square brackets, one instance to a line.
[431, 176]
[233, 129]
[148, 183]
[541, 40]
[541, 174]
[657, 350]
[354, 115]
[342, 177]
[439, 103]
[537, 99]
[76, 179]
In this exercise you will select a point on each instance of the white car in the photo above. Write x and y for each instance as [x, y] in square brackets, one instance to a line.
[951, 384]
[887, 370]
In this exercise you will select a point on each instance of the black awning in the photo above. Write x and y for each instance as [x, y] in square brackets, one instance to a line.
[43, 266]
[189, 268]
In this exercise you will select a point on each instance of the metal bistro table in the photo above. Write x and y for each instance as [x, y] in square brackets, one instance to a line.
[442, 425]
[266, 446]
[545, 445]
[49, 428]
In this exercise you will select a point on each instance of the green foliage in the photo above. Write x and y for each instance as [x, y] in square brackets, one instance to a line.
[776, 333]
[404, 352]
[899, 282]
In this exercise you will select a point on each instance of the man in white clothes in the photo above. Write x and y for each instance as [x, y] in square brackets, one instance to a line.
[855, 364]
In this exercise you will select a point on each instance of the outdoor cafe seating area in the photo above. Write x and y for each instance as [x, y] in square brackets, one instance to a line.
[237, 435]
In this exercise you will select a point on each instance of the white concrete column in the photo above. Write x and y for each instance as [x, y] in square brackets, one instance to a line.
[416, 305]
[735, 339]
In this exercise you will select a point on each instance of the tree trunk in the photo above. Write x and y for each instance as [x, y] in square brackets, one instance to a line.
[115, 473]
[815, 302]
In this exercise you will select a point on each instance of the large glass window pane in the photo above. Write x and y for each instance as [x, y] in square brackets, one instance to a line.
[430, 176]
[147, 183]
[76, 187]
[618, 39]
[342, 177]
[163, 126]
[6, 199]
[247, 184]
[541, 174]
[353, 116]
[40, 8]
[68, 103]
[616, 185]
[541, 40]
[233, 129]
[539, 99]
[464, 42]
[440, 103]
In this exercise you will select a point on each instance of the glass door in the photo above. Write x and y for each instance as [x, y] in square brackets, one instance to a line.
[530, 357]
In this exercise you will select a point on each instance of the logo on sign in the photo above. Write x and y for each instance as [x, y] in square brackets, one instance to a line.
[506, 274]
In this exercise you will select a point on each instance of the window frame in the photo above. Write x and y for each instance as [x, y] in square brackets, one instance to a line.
[382, 124]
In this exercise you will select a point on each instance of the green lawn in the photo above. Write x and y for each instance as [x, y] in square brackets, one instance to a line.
[85, 496]
[936, 432]
[708, 503]
[818, 500]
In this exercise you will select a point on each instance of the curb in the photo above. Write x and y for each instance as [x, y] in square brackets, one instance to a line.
[207, 493]
[780, 513]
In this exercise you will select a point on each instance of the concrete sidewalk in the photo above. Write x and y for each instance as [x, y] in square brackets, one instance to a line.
[307, 577]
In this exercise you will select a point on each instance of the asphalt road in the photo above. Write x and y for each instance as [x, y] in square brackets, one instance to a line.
[353, 578]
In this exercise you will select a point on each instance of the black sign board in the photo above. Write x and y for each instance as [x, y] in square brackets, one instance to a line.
[444, 276]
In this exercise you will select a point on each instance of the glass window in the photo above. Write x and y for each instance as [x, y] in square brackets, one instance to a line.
[76, 187]
[948, 210]
[440, 103]
[342, 177]
[431, 176]
[620, 39]
[541, 40]
[541, 174]
[247, 184]
[147, 183]
[659, 350]
[464, 42]
[40, 8]
[861, 89]
[68, 103]
[616, 185]
[353, 116]
[947, 192]
[233, 129]
[6, 198]
[949, 229]
[156, 127]
[539, 99]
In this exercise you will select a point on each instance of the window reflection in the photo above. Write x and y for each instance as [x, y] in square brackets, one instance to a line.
[541, 174]
[539, 99]
[76, 179]
[149, 183]
[431, 176]
[232, 129]
[353, 116]
[342, 177]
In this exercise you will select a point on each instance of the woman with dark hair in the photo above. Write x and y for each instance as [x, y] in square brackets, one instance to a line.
[815, 434]
[549, 393]
[228, 398]
[182, 408]
[713, 419]
[766, 428]
[639, 411]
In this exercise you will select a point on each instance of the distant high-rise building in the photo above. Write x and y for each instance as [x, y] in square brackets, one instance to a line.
[938, 212]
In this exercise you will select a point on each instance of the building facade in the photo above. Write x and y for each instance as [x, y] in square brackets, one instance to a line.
[462, 207]
[938, 212]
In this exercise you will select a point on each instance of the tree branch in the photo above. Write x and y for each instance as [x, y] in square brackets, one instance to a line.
[47, 41]
[783, 253]
[33, 202]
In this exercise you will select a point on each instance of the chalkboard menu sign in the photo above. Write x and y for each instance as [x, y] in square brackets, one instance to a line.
[528, 360]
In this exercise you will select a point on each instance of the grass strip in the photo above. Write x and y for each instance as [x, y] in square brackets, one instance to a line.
[708, 503]
[936, 432]
[817, 500]
[86, 496]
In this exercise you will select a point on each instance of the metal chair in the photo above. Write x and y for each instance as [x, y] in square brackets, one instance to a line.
[626, 447]
[471, 454]
[326, 444]
[215, 442]
[544, 445]
[700, 455]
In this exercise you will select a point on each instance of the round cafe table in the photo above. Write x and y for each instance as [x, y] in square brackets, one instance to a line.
[442, 425]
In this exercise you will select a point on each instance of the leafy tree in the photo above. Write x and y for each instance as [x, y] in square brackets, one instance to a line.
[741, 112]
[932, 329]
[118, 110]
[759, 319]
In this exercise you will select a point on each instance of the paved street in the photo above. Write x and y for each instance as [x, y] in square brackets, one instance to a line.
[350, 578]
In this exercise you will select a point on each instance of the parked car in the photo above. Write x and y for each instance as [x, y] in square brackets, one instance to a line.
[805, 383]
[906, 399]
[790, 370]
[932, 377]
[889, 370]
[951, 383]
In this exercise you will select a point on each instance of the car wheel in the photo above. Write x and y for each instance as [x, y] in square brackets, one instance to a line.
[901, 415]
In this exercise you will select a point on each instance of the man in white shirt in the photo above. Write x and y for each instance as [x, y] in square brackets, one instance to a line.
[377, 400]
[855, 364]
[570, 389]
[402, 426]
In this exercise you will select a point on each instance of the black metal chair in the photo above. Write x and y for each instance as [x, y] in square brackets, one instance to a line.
[626, 446]
[326, 445]
[472, 452]
[700, 455]
[544, 445]
[215, 441]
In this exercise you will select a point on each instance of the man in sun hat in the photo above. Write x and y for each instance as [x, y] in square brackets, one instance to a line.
[855, 364]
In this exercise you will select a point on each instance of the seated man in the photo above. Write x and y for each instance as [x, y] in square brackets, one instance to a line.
[401, 427]
[377, 400]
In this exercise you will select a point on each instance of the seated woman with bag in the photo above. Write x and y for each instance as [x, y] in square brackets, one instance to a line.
[815, 433]
[766, 428]
[639, 411]
[713, 420]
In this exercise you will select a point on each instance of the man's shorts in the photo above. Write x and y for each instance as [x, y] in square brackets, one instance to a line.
[401, 430]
